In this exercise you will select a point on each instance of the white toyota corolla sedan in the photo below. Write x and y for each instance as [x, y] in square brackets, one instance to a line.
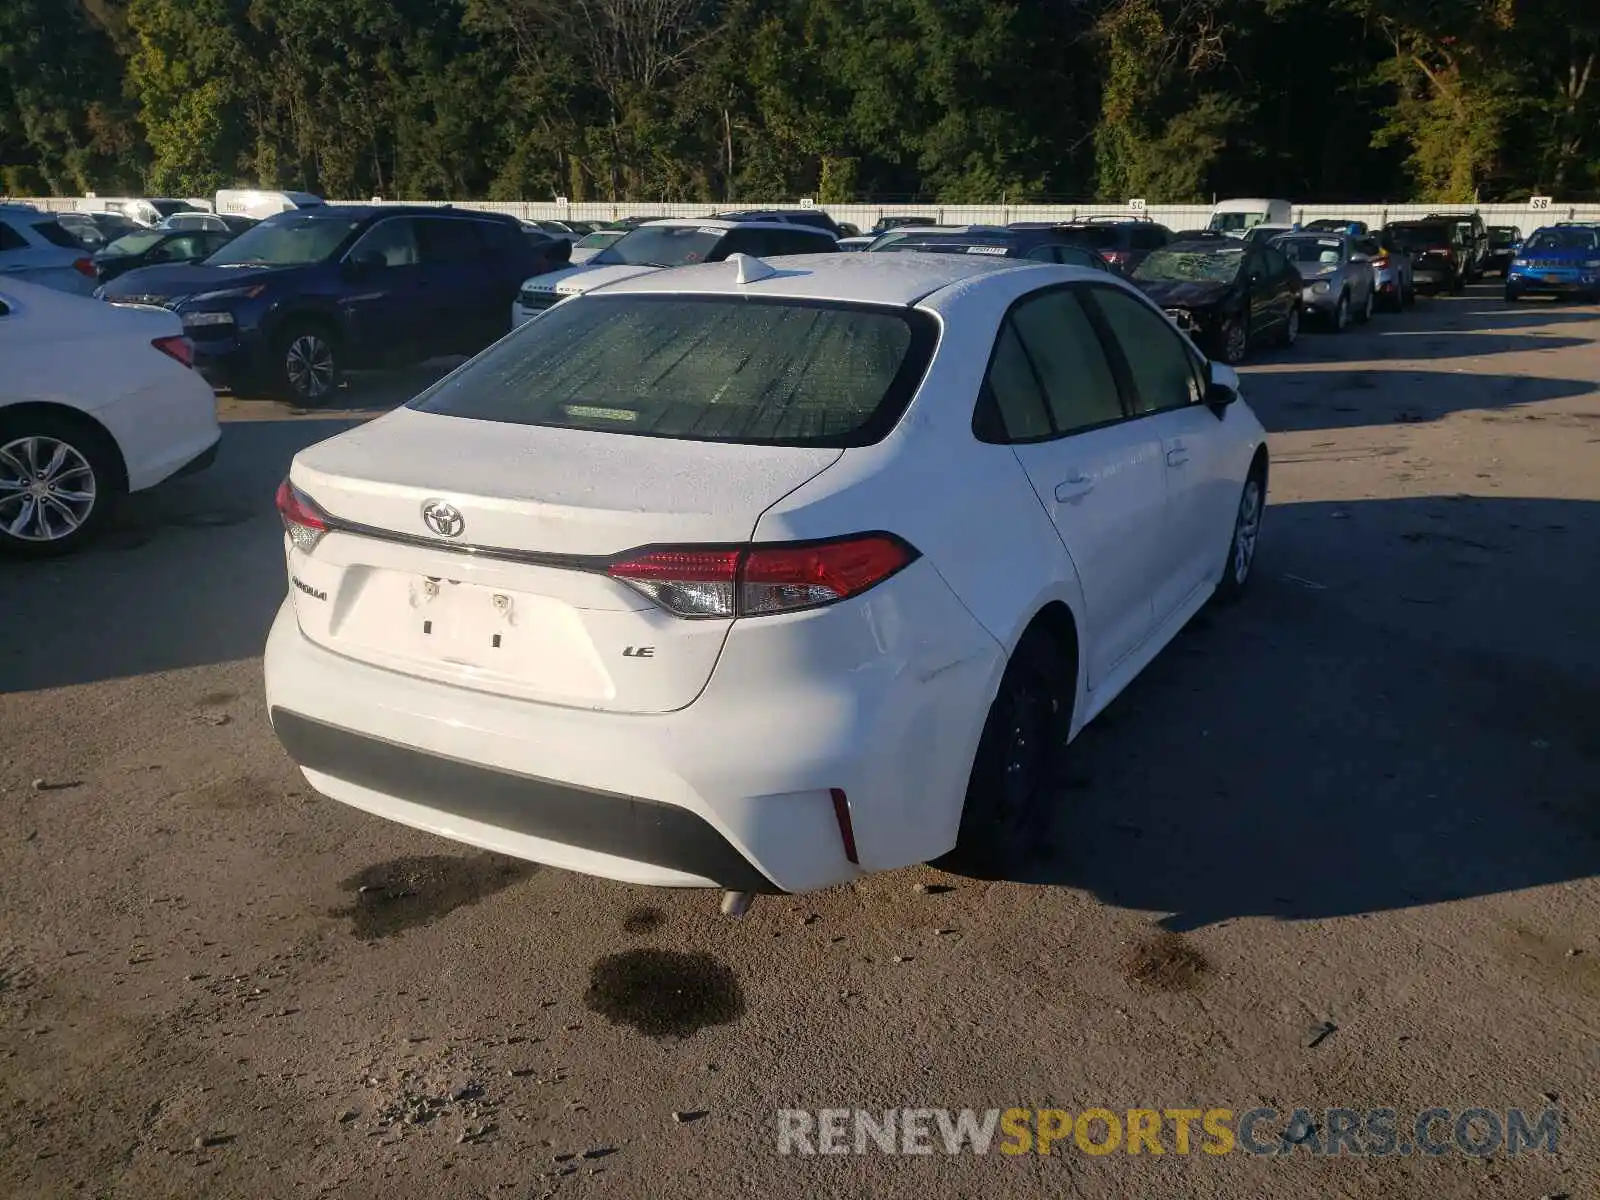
[761, 574]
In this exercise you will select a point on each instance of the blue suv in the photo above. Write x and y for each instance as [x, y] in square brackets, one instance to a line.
[293, 302]
[1561, 260]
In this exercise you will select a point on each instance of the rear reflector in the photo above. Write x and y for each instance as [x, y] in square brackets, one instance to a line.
[730, 581]
[841, 813]
[303, 521]
[180, 348]
[85, 266]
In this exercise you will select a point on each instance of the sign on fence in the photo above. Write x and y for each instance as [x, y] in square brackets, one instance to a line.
[1136, 206]
[1539, 203]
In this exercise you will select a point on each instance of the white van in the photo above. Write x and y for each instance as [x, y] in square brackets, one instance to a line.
[248, 202]
[1235, 216]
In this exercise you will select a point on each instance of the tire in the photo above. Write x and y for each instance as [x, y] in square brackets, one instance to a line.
[71, 465]
[1341, 313]
[1291, 329]
[1239, 567]
[1365, 314]
[1457, 285]
[306, 366]
[1233, 341]
[1512, 295]
[1005, 821]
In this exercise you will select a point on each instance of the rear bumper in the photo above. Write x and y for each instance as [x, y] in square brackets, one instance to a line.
[883, 698]
[622, 827]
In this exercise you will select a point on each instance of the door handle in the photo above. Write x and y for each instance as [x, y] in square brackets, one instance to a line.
[1074, 489]
[1177, 456]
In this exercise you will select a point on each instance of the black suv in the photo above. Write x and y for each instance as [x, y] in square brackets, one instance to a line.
[814, 217]
[1121, 241]
[306, 294]
[1440, 251]
[1474, 242]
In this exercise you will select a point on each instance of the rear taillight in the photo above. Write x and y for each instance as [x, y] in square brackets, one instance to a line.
[1381, 263]
[179, 348]
[752, 581]
[85, 266]
[303, 521]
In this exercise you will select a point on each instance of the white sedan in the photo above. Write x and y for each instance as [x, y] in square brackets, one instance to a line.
[95, 400]
[761, 575]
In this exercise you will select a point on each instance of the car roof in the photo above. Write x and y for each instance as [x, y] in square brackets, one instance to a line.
[325, 212]
[891, 279]
[726, 224]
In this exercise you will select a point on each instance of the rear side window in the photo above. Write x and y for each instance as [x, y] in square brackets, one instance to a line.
[392, 241]
[1011, 407]
[448, 240]
[712, 368]
[1096, 237]
[497, 237]
[10, 239]
[1068, 359]
[54, 233]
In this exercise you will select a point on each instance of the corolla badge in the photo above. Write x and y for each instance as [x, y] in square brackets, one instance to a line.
[443, 518]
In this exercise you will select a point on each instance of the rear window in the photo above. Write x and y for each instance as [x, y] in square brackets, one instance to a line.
[1096, 237]
[57, 235]
[700, 368]
[1413, 237]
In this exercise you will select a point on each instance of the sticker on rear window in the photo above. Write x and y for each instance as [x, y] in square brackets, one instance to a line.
[582, 412]
[1000, 250]
[712, 232]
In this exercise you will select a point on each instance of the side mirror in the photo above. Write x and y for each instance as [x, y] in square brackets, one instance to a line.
[1219, 396]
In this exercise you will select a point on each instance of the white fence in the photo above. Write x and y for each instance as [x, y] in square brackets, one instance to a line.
[1174, 216]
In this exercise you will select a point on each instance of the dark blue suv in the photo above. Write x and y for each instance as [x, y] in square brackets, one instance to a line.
[294, 301]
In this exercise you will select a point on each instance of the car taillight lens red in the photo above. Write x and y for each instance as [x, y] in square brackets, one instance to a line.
[751, 581]
[180, 348]
[1381, 262]
[303, 521]
[85, 266]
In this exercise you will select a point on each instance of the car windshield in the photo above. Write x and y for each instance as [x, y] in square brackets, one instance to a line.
[755, 371]
[661, 246]
[286, 242]
[134, 243]
[598, 241]
[1207, 264]
[1561, 239]
[1236, 222]
[1309, 251]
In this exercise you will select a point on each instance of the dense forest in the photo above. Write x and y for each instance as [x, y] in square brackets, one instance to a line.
[950, 100]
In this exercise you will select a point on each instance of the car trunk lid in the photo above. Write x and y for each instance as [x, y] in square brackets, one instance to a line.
[504, 589]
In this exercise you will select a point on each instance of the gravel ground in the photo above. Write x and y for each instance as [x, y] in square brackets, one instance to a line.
[1337, 847]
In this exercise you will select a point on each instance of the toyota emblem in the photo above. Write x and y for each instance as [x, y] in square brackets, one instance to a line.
[444, 519]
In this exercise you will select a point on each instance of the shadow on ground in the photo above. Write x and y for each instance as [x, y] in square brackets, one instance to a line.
[1290, 401]
[188, 574]
[1404, 711]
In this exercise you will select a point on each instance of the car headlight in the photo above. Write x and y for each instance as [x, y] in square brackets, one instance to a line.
[238, 293]
[1320, 287]
[1519, 262]
[1592, 263]
[207, 318]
